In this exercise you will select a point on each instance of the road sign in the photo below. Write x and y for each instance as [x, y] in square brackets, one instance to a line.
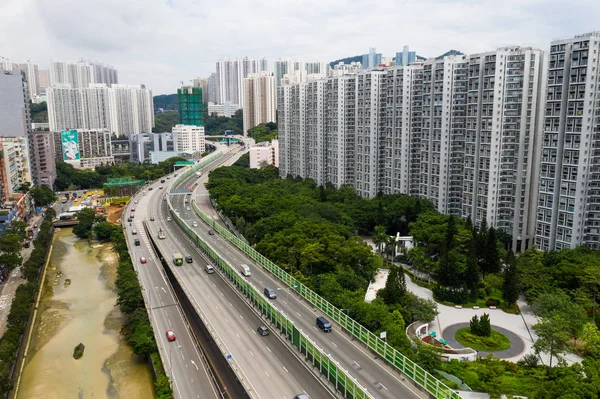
[184, 163]
[228, 356]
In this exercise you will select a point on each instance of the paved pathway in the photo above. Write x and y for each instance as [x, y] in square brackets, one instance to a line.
[517, 345]
[9, 287]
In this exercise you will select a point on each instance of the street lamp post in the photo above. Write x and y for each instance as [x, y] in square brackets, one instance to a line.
[170, 361]
[286, 291]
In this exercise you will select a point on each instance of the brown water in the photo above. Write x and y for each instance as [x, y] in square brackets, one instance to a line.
[78, 305]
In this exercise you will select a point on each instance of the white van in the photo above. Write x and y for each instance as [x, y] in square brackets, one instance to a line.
[245, 270]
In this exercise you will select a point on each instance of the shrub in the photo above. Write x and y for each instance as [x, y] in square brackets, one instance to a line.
[481, 326]
[443, 294]
[492, 302]
[529, 361]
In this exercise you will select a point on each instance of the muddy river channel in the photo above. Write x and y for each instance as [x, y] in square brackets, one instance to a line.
[79, 306]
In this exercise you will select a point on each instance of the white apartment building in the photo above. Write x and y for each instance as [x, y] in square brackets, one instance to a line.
[231, 75]
[370, 120]
[340, 120]
[15, 164]
[260, 95]
[264, 153]
[122, 109]
[568, 213]
[131, 109]
[189, 138]
[65, 108]
[81, 74]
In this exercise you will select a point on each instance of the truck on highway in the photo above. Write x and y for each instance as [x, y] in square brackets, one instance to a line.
[198, 174]
[161, 234]
[177, 259]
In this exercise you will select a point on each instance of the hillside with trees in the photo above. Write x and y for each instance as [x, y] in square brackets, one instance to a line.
[314, 233]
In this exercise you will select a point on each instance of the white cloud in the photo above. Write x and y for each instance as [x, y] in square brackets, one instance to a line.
[163, 42]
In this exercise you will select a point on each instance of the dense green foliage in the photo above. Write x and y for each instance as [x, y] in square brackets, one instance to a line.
[21, 307]
[164, 121]
[217, 125]
[243, 161]
[67, 177]
[42, 195]
[312, 232]
[167, 102]
[39, 112]
[137, 330]
[263, 132]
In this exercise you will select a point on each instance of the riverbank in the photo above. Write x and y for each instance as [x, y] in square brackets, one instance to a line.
[79, 305]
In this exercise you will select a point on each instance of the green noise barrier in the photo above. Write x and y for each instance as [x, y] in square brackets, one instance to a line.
[413, 371]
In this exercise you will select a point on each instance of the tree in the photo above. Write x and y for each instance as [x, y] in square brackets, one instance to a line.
[591, 279]
[19, 228]
[491, 263]
[553, 337]
[395, 287]
[473, 274]
[591, 336]
[422, 309]
[481, 326]
[103, 231]
[25, 187]
[379, 237]
[510, 286]
[429, 358]
[86, 218]
[142, 340]
[42, 195]
[557, 303]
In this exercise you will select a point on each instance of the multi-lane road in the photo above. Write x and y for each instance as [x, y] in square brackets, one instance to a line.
[184, 363]
[372, 373]
[267, 367]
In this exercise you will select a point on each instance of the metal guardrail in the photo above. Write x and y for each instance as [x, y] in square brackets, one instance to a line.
[400, 362]
[339, 378]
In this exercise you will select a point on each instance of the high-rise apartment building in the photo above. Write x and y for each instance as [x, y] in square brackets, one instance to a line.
[122, 109]
[231, 75]
[370, 120]
[81, 74]
[202, 83]
[44, 163]
[190, 106]
[405, 57]
[260, 95]
[460, 131]
[568, 213]
[214, 94]
[372, 59]
[190, 139]
[14, 165]
[131, 109]
[15, 120]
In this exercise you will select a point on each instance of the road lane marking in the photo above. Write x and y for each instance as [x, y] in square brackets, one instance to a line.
[251, 353]
[269, 349]
[286, 370]
[383, 386]
[230, 304]
[227, 321]
[241, 317]
[194, 363]
[267, 374]
[334, 344]
[298, 313]
[238, 335]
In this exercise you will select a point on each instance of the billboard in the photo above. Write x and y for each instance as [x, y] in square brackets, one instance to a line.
[70, 145]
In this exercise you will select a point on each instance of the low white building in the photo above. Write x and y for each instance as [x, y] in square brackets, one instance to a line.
[226, 109]
[190, 138]
[264, 153]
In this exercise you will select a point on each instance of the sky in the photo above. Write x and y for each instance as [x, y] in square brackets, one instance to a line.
[160, 43]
